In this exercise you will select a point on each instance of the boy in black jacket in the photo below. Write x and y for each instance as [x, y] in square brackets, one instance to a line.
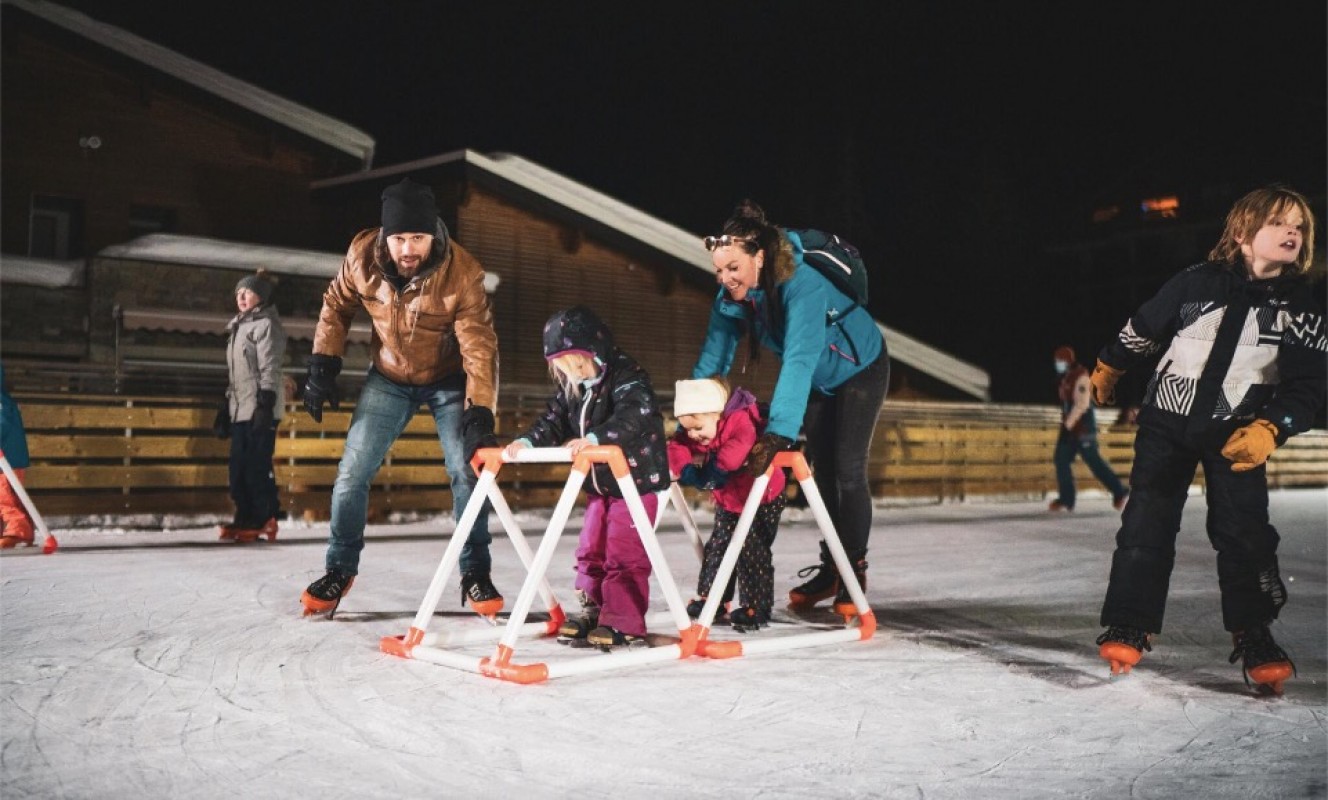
[1244, 370]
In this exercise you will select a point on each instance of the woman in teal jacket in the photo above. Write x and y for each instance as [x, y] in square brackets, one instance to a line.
[832, 381]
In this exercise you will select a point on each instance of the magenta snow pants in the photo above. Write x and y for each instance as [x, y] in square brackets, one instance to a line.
[611, 562]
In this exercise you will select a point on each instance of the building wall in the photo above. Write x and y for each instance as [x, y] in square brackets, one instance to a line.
[546, 266]
[220, 170]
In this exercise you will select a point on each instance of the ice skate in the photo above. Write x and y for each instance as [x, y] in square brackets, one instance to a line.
[747, 618]
[574, 630]
[1264, 663]
[478, 590]
[16, 533]
[844, 605]
[697, 605]
[824, 584]
[244, 533]
[1122, 647]
[325, 593]
[606, 639]
[1059, 505]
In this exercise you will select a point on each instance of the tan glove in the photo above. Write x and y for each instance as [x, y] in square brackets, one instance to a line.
[1104, 379]
[1250, 446]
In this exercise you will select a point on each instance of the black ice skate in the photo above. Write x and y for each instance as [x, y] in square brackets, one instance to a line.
[574, 630]
[1123, 647]
[325, 593]
[478, 590]
[606, 639]
[697, 605]
[1265, 664]
[825, 583]
[747, 618]
[844, 605]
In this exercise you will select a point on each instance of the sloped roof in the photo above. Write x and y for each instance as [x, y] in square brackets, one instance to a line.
[329, 131]
[659, 235]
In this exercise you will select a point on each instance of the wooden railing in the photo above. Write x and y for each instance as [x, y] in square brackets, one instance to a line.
[114, 455]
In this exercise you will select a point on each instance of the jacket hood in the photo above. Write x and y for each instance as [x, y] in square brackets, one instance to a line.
[578, 330]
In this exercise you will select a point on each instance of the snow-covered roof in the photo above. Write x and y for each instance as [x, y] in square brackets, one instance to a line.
[664, 237]
[44, 272]
[313, 124]
[177, 249]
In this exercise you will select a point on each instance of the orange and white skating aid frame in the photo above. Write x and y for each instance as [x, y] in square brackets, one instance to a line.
[692, 638]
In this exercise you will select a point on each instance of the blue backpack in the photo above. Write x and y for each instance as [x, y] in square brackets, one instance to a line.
[836, 259]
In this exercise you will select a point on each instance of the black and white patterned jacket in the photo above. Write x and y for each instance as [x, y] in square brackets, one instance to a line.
[1278, 357]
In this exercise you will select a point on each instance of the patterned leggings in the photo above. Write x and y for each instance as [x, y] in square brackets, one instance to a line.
[755, 570]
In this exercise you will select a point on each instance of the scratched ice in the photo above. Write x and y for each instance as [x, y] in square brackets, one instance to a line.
[151, 664]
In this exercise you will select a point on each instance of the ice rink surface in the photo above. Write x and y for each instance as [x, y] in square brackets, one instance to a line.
[151, 664]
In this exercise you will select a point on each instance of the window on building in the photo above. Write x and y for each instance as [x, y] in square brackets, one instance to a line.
[55, 227]
[150, 219]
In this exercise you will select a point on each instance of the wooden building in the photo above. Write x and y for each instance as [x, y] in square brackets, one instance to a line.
[139, 185]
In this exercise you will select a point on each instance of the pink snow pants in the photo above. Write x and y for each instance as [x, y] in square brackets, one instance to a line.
[611, 562]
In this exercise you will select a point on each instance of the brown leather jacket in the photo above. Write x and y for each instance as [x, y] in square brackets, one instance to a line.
[438, 325]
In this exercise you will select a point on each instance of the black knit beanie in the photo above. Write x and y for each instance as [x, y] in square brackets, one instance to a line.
[408, 207]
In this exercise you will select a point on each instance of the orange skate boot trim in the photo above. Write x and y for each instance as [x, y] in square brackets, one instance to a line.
[315, 605]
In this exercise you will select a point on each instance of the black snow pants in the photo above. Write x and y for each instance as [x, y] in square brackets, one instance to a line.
[1164, 464]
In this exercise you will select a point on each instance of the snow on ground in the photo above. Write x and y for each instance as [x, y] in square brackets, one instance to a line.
[152, 664]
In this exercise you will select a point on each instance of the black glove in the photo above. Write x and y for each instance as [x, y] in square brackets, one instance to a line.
[221, 426]
[261, 422]
[758, 461]
[321, 385]
[477, 430]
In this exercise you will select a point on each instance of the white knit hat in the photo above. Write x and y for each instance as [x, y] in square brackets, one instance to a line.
[699, 397]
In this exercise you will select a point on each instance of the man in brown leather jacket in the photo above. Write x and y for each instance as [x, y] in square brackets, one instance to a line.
[433, 343]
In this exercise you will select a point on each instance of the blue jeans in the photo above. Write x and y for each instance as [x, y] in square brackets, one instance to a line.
[380, 416]
[1067, 446]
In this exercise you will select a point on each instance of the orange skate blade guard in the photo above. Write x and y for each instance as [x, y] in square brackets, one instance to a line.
[1122, 657]
[1271, 675]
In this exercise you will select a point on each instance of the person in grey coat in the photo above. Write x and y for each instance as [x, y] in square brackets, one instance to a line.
[250, 411]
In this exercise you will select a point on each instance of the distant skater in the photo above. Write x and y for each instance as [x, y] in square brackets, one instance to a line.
[1078, 434]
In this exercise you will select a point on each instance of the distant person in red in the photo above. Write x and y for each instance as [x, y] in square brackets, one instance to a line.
[1078, 434]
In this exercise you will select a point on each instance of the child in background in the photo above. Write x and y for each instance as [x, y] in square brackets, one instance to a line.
[15, 524]
[604, 398]
[250, 412]
[1244, 370]
[719, 430]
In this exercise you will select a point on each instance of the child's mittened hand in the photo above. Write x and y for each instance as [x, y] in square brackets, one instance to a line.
[1249, 447]
[1104, 379]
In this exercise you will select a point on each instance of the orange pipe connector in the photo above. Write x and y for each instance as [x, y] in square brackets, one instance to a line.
[401, 646]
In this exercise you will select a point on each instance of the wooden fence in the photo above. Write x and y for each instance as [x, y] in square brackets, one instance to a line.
[114, 455]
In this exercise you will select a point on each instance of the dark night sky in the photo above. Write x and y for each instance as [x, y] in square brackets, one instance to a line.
[952, 141]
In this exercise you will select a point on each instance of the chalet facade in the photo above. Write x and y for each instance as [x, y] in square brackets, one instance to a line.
[118, 258]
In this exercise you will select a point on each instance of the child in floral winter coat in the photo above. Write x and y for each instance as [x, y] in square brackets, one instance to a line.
[604, 397]
[719, 430]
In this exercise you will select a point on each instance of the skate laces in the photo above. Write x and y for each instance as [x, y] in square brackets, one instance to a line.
[478, 587]
[330, 586]
[805, 571]
[1256, 647]
[1128, 636]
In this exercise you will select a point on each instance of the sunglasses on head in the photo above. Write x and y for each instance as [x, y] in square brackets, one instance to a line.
[711, 242]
